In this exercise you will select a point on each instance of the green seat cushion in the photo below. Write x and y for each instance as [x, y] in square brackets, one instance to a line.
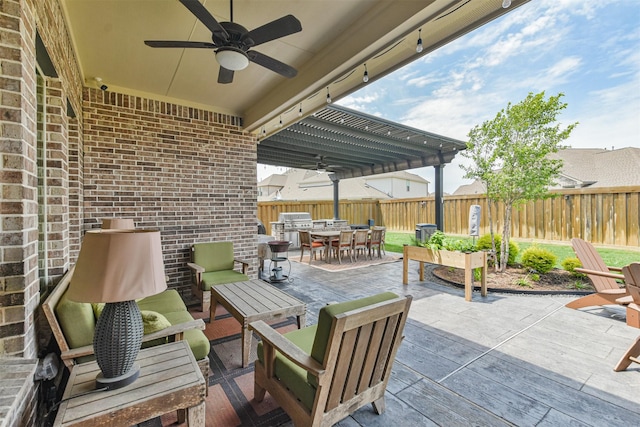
[214, 256]
[77, 321]
[213, 278]
[163, 302]
[196, 338]
[325, 321]
[293, 376]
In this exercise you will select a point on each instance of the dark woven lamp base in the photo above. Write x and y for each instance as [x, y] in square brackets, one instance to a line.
[116, 343]
[118, 382]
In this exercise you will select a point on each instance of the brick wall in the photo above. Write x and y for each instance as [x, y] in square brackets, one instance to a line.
[190, 173]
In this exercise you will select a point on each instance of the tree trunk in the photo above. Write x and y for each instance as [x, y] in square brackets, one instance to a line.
[493, 242]
[506, 233]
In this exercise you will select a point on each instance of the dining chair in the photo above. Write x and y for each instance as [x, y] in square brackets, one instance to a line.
[382, 239]
[360, 243]
[375, 242]
[313, 246]
[344, 243]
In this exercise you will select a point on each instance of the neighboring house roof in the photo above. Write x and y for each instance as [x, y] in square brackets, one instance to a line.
[476, 187]
[586, 167]
[399, 175]
[310, 185]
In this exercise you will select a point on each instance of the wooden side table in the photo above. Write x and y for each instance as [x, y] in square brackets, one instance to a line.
[255, 300]
[170, 379]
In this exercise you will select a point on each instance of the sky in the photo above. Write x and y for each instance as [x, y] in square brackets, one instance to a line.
[586, 49]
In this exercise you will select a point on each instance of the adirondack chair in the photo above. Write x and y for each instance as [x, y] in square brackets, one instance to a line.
[322, 373]
[632, 278]
[608, 291]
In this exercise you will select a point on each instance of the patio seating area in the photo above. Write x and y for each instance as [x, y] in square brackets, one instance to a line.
[499, 360]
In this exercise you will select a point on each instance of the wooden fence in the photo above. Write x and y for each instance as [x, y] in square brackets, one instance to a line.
[607, 216]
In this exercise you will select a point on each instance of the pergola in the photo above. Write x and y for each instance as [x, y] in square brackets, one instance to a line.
[349, 144]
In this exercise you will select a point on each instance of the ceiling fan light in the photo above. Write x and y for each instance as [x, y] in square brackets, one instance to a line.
[232, 59]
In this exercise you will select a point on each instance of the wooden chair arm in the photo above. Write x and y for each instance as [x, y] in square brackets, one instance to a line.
[600, 273]
[244, 263]
[289, 350]
[614, 268]
[195, 267]
[176, 331]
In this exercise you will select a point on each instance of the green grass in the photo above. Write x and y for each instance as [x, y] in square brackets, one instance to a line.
[611, 257]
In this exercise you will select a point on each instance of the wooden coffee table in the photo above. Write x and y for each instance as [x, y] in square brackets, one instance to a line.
[255, 300]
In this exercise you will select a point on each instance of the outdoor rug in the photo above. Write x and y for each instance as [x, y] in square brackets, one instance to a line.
[346, 263]
[230, 400]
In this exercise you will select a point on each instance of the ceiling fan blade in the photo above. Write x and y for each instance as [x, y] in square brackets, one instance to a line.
[206, 18]
[274, 30]
[225, 76]
[168, 43]
[272, 64]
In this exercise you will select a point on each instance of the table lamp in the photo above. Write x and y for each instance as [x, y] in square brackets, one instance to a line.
[118, 223]
[117, 267]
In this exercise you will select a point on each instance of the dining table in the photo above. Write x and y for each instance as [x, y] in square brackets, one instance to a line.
[327, 236]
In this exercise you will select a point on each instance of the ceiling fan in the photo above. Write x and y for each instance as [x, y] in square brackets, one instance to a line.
[320, 165]
[232, 42]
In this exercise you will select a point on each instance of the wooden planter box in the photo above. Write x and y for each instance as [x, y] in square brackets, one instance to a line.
[468, 261]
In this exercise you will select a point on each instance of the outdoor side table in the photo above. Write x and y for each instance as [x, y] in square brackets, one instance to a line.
[170, 379]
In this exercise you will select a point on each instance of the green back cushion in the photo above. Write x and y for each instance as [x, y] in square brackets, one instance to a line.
[326, 316]
[164, 302]
[77, 321]
[293, 376]
[214, 256]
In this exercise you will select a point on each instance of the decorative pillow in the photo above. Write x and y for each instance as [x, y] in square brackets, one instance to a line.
[97, 309]
[153, 321]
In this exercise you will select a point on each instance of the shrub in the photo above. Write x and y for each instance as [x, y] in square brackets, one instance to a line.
[570, 265]
[484, 243]
[538, 259]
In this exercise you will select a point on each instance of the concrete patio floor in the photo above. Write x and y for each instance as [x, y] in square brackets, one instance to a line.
[501, 360]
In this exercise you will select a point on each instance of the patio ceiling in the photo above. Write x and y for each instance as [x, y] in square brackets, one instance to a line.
[351, 144]
[337, 38]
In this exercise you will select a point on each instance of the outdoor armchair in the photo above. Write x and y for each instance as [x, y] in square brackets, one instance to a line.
[608, 291]
[632, 278]
[213, 264]
[322, 373]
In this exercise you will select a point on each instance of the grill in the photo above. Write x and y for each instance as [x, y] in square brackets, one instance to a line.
[288, 225]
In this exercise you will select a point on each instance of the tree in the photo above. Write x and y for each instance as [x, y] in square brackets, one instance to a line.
[511, 155]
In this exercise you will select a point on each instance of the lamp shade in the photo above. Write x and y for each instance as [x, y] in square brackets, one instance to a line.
[118, 265]
[118, 223]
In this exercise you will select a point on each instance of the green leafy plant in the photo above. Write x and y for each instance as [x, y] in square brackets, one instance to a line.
[578, 285]
[524, 282]
[436, 241]
[484, 243]
[538, 259]
[570, 264]
[535, 277]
